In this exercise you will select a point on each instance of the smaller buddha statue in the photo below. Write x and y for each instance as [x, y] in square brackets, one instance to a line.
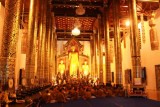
[85, 68]
[61, 67]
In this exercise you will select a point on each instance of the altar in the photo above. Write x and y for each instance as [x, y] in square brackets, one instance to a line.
[73, 60]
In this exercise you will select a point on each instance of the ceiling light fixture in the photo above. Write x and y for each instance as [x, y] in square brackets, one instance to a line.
[127, 23]
[76, 31]
[77, 25]
[80, 10]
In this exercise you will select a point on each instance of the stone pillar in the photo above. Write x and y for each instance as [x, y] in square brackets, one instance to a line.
[107, 40]
[117, 42]
[135, 43]
[9, 42]
[31, 44]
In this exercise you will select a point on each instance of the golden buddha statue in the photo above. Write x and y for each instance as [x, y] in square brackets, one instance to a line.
[61, 67]
[85, 68]
[73, 62]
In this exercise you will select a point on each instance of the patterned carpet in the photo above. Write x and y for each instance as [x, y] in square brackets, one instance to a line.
[108, 102]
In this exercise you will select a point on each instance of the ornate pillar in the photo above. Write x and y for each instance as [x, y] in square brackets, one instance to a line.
[100, 49]
[49, 43]
[117, 42]
[52, 48]
[107, 40]
[46, 67]
[95, 56]
[31, 44]
[43, 41]
[135, 45]
[9, 42]
[40, 58]
[92, 56]
[36, 29]
[55, 52]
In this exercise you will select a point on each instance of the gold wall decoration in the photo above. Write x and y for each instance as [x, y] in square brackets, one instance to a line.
[153, 33]
[142, 28]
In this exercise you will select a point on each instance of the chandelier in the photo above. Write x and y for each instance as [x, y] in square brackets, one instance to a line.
[80, 10]
[76, 30]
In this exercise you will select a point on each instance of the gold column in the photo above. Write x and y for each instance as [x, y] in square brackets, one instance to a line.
[107, 40]
[99, 48]
[31, 44]
[117, 42]
[46, 68]
[36, 29]
[39, 61]
[55, 52]
[49, 47]
[92, 55]
[52, 48]
[43, 41]
[95, 56]
[9, 41]
[135, 46]
[96, 47]
[40, 58]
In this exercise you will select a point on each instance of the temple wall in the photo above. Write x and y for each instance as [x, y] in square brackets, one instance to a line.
[19, 59]
[126, 56]
[149, 57]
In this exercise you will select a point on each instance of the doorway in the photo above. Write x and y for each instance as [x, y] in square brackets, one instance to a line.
[157, 72]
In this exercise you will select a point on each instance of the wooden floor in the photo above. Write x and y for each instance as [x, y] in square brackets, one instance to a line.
[155, 95]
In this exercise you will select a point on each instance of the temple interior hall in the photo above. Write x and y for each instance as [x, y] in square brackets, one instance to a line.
[52, 45]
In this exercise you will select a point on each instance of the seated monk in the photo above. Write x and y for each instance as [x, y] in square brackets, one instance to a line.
[5, 98]
[100, 93]
[81, 91]
[60, 97]
[74, 94]
[1, 95]
[87, 95]
[46, 97]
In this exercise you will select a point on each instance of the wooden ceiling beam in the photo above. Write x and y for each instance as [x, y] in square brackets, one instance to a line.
[71, 12]
[148, 0]
[74, 4]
